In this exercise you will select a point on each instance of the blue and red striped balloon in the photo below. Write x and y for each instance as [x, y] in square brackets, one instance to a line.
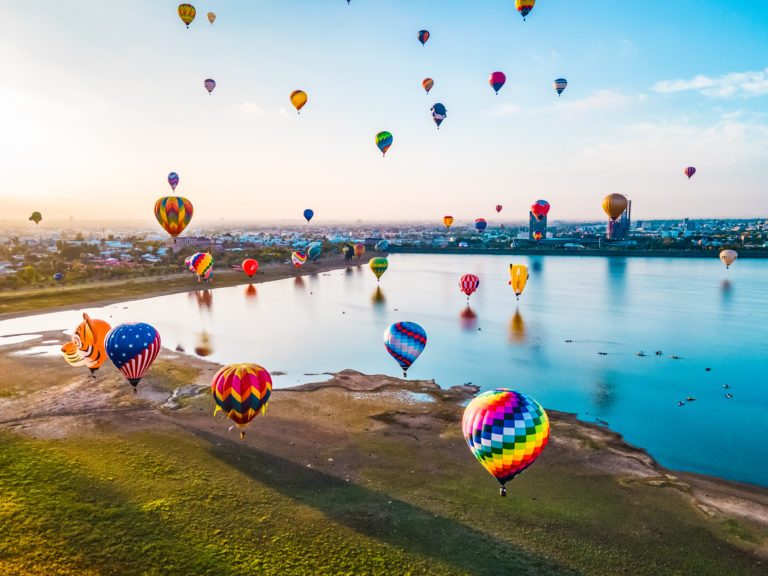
[132, 349]
[405, 341]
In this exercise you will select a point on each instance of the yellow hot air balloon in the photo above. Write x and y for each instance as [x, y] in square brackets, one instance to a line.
[298, 99]
[186, 13]
[378, 266]
[211, 17]
[614, 205]
[448, 220]
[728, 257]
[518, 276]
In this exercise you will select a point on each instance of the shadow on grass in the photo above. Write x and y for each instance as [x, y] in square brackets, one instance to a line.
[413, 530]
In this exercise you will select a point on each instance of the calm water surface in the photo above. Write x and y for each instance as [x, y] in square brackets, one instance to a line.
[610, 308]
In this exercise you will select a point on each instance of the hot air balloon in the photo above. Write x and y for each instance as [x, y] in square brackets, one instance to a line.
[518, 276]
[537, 236]
[427, 84]
[173, 180]
[186, 13]
[438, 114]
[87, 344]
[728, 257]
[382, 245]
[690, 171]
[202, 264]
[560, 85]
[349, 251]
[468, 284]
[614, 205]
[405, 341]
[250, 266]
[298, 99]
[58, 276]
[480, 224]
[524, 7]
[207, 276]
[383, 141]
[447, 220]
[36, 217]
[241, 391]
[209, 84]
[498, 208]
[298, 258]
[539, 209]
[211, 17]
[132, 349]
[497, 80]
[506, 431]
[378, 266]
[308, 213]
[173, 213]
[423, 36]
[314, 251]
[359, 250]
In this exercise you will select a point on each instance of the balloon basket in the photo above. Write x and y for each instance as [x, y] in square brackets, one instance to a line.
[242, 434]
[503, 492]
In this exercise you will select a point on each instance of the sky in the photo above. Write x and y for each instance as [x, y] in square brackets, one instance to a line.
[101, 100]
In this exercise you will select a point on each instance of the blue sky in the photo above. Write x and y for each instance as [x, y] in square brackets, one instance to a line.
[101, 101]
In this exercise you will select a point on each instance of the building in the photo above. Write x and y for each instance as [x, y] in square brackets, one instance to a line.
[535, 225]
[619, 229]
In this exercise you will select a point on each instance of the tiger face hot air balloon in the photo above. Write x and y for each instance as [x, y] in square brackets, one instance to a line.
[241, 391]
[211, 17]
[518, 276]
[614, 205]
[438, 114]
[497, 80]
[298, 99]
[506, 431]
[524, 7]
[383, 142]
[87, 344]
[173, 180]
[132, 349]
[423, 36]
[481, 224]
[187, 13]
[209, 84]
[298, 258]
[405, 341]
[378, 266]
[36, 217]
[690, 171]
[560, 85]
[250, 266]
[427, 84]
[468, 283]
[539, 209]
[447, 220]
[173, 213]
[359, 250]
[728, 257]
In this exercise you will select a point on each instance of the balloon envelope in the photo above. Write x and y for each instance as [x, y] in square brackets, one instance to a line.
[298, 99]
[202, 264]
[405, 341]
[518, 276]
[250, 266]
[36, 217]
[468, 283]
[539, 209]
[423, 36]
[241, 391]
[498, 208]
[87, 344]
[448, 220]
[506, 431]
[209, 84]
[438, 114]
[298, 258]
[614, 205]
[497, 80]
[690, 171]
[359, 250]
[560, 85]
[187, 13]
[537, 236]
[382, 245]
[314, 252]
[378, 266]
[427, 84]
[173, 180]
[480, 224]
[211, 17]
[173, 213]
[132, 349]
[383, 141]
[524, 7]
[728, 257]
[308, 214]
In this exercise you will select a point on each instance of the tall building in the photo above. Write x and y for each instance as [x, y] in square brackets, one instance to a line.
[535, 225]
[619, 229]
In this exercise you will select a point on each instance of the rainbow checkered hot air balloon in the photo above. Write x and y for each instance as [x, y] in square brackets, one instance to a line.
[506, 431]
[241, 391]
[132, 349]
[378, 266]
[405, 341]
[173, 213]
[468, 284]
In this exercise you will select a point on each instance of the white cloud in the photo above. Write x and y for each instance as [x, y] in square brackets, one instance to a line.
[744, 84]
[598, 100]
[252, 108]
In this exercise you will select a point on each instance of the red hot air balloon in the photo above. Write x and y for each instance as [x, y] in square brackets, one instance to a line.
[250, 266]
[468, 284]
[498, 208]
[540, 208]
[497, 80]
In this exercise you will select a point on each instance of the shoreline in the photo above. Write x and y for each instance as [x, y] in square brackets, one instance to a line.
[591, 252]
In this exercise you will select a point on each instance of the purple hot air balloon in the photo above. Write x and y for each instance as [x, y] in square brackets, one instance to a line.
[173, 180]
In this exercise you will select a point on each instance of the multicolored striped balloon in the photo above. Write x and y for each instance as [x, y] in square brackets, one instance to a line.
[378, 266]
[405, 341]
[506, 431]
[241, 391]
[524, 7]
[173, 180]
[427, 84]
[383, 141]
[423, 36]
[560, 85]
[537, 235]
[298, 258]
[480, 224]
[132, 349]
[187, 13]
[173, 213]
[468, 284]
[201, 264]
[690, 171]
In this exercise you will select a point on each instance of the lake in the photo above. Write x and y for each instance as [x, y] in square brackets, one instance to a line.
[571, 341]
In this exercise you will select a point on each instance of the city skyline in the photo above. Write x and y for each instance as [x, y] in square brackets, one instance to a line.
[100, 105]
